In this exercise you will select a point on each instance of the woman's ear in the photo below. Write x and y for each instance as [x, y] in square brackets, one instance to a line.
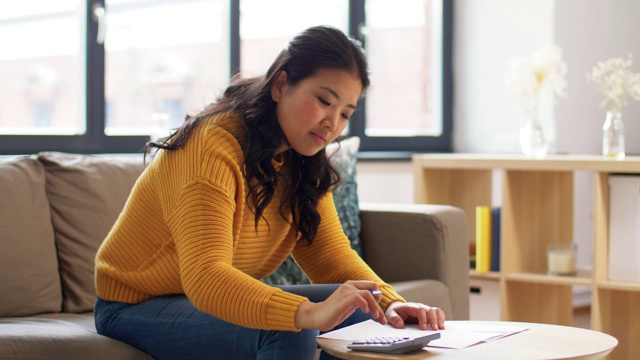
[278, 87]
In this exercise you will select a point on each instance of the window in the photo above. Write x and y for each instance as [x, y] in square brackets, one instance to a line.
[96, 76]
[162, 60]
[408, 108]
[405, 102]
[41, 115]
[263, 37]
[40, 67]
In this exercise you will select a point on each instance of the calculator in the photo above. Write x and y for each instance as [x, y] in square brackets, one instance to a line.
[393, 345]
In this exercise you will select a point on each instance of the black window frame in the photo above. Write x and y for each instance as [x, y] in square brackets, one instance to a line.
[94, 140]
[383, 147]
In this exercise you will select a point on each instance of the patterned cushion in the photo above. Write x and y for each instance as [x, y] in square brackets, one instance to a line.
[345, 196]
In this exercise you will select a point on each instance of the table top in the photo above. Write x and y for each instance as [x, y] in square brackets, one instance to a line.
[540, 341]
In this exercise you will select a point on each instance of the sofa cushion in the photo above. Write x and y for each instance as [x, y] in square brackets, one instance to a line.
[345, 197]
[60, 336]
[87, 193]
[28, 264]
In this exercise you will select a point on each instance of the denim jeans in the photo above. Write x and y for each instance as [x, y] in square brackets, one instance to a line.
[170, 327]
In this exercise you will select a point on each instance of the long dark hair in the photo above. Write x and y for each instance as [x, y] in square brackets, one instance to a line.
[309, 177]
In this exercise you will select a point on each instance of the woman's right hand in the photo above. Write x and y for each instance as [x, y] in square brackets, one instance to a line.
[340, 305]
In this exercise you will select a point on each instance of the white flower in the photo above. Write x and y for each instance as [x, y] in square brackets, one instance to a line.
[634, 88]
[615, 81]
[529, 78]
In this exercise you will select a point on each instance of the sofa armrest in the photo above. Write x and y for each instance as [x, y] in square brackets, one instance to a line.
[403, 242]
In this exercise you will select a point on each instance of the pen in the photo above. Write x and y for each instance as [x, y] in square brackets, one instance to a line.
[375, 292]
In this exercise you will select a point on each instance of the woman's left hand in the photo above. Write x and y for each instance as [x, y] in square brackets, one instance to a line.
[398, 314]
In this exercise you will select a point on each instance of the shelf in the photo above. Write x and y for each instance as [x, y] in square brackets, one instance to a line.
[630, 164]
[492, 275]
[583, 278]
[619, 285]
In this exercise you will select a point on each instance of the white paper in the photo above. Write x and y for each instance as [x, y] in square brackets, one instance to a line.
[457, 335]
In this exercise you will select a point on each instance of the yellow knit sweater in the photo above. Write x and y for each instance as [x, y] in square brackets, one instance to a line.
[187, 229]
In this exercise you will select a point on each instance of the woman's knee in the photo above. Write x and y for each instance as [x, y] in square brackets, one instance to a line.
[103, 312]
[289, 345]
[304, 337]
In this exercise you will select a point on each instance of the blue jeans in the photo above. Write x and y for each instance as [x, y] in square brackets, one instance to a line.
[170, 327]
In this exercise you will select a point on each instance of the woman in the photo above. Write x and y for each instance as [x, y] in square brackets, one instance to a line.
[228, 196]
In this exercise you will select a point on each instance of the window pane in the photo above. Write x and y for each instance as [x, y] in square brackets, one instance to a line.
[404, 47]
[267, 26]
[164, 59]
[41, 67]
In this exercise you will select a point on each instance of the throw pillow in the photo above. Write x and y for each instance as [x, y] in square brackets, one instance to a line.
[28, 263]
[345, 195]
[343, 157]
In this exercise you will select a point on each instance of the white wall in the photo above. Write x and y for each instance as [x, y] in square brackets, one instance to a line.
[488, 33]
[385, 182]
[590, 31]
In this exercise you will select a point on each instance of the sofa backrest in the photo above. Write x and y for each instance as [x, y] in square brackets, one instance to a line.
[29, 279]
[86, 194]
[55, 211]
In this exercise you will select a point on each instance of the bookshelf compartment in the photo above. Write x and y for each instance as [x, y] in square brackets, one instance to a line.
[484, 299]
[616, 313]
[537, 302]
[442, 186]
[537, 210]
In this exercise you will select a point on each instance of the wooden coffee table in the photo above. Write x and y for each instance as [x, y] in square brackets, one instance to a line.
[540, 341]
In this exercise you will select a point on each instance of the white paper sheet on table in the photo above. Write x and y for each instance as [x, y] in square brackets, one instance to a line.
[455, 336]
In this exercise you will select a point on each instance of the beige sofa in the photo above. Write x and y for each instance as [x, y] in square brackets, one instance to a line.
[55, 209]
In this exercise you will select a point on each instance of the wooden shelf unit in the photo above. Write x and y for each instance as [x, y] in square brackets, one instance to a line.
[537, 209]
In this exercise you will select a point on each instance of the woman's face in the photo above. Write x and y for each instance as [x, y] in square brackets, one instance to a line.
[315, 111]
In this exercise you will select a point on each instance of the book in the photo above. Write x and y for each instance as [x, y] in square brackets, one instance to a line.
[483, 239]
[472, 255]
[495, 239]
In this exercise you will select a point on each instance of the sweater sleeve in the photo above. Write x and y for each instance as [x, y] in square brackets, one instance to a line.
[204, 224]
[330, 258]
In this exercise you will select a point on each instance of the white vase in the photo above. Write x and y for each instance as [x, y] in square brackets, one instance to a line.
[532, 140]
[613, 136]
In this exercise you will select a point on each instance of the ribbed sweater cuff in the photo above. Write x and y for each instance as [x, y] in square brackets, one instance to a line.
[283, 315]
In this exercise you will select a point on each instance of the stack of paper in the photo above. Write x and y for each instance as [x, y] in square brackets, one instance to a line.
[457, 335]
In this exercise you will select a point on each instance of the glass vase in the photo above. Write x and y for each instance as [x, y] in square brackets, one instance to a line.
[532, 140]
[613, 136]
